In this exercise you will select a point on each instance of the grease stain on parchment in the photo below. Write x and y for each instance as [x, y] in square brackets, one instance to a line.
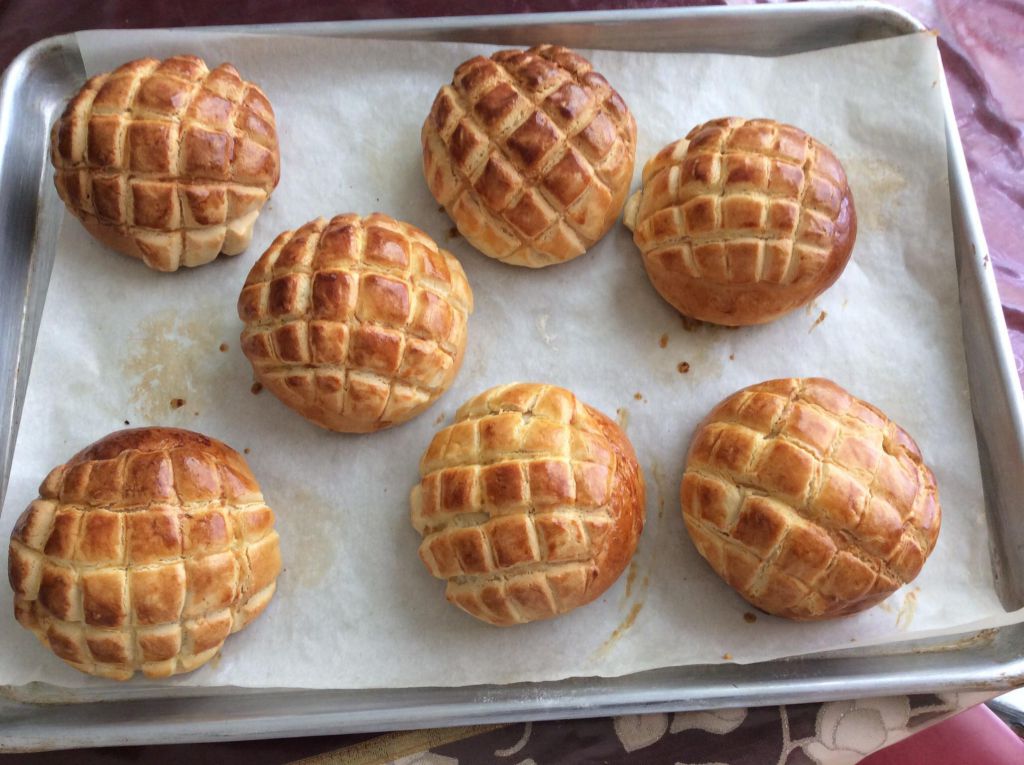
[821, 317]
[170, 358]
[659, 484]
[877, 186]
[908, 608]
[312, 535]
[704, 358]
[619, 631]
[545, 335]
[635, 567]
[478, 366]
[982, 637]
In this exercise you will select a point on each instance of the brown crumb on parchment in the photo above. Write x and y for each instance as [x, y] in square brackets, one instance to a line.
[663, 341]
[246, 450]
[453, 233]
[177, 403]
[127, 423]
[819, 320]
[224, 347]
[256, 388]
[749, 618]
[439, 419]
[683, 367]
[638, 396]
[732, 357]
[727, 656]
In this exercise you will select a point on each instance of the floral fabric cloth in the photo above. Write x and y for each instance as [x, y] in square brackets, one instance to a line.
[834, 733]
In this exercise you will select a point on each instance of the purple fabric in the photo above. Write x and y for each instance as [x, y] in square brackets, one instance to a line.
[982, 43]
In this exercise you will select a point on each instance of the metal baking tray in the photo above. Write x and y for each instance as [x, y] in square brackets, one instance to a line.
[40, 717]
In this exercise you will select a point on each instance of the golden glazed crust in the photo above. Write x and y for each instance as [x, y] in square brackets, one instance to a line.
[810, 502]
[743, 220]
[531, 504]
[356, 323]
[531, 153]
[167, 161]
[143, 553]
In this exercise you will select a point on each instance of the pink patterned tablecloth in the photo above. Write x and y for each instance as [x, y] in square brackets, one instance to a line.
[982, 43]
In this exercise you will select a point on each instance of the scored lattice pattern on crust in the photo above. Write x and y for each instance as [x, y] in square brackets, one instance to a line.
[748, 210]
[808, 501]
[143, 553]
[530, 504]
[167, 161]
[356, 323]
[531, 153]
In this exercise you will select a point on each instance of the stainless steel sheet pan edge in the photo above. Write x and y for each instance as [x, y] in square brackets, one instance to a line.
[30, 214]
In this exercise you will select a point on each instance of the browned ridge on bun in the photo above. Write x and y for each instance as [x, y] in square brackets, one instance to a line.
[530, 504]
[357, 323]
[743, 220]
[143, 553]
[167, 161]
[531, 153]
[808, 501]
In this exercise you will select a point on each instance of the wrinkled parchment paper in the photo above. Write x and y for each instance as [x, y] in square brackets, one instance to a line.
[355, 607]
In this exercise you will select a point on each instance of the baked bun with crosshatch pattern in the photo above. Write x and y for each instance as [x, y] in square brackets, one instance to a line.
[167, 161]
[531, 153]
[743, 220]
[530, 504]
[143, 553]
[810, 502]
[356, 323]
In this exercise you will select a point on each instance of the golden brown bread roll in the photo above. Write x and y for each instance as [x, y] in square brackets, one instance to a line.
[807, 500]
[530, 505]
[356, 323]
[144, 552]
[167, 161]
[531, 153]
[743, 221]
